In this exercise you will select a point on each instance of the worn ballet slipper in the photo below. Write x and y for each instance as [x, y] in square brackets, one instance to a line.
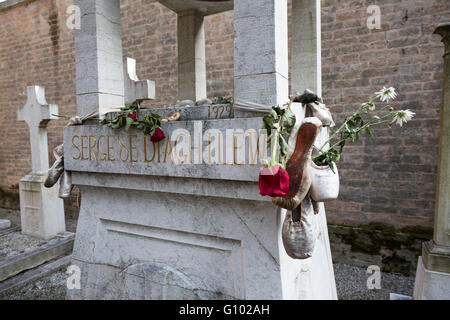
[65, 185]
[290, 203]
[54, 173]
[320, 111]
[58, 151]
[298, 163]
[306, 97]
[76, 120]
[315, 205]
[298, 233]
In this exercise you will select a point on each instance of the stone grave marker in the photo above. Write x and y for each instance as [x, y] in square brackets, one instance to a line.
[41, 211]
[183, 217]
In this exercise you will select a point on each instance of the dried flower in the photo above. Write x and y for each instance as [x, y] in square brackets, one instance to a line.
[133, 116]
[403, 116]
[386, 94]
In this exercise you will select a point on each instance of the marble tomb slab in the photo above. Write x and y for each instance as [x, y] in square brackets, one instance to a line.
[229, 149]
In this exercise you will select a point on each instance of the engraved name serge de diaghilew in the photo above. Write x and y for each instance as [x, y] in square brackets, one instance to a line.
[182, 148]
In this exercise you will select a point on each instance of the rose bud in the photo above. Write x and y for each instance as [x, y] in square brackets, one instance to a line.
[158, 135]
[133, 116]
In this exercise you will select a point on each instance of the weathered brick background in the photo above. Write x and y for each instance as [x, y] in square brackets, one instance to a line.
[386, 204]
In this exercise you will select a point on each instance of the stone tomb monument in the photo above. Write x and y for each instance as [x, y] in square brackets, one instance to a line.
[183, 218]
[433, 267]
[41, 211]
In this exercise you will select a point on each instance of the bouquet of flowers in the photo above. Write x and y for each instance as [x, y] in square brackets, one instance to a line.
[273, 178]
[362, 120]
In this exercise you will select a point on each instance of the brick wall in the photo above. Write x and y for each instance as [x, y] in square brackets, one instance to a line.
[36, 48]
[389, 179]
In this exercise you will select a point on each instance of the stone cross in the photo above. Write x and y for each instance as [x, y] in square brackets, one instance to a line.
[37, 113]
[41, 211]
[136, 89]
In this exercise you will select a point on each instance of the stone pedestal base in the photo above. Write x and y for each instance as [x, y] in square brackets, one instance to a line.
[41, 211]
[431, 285]
[147, 237]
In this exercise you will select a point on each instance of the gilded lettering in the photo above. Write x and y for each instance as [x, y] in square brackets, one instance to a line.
[110, 148]
[73, 145]
[83, 147]
[104, 155]
[122, 149]
[131, 136]
[91, 148]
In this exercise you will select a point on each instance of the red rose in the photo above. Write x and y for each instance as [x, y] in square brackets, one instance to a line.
[273, 181]
[158, 135]
[133, 116]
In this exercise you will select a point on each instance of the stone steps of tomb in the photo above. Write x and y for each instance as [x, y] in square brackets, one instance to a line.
[17, 262]
[28, 277]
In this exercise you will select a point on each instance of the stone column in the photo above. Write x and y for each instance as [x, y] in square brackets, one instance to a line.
[98, 56]
[191, 56]
[261, 51]
[41, 211]
[306, 73]
[433, 270]
[306, 66]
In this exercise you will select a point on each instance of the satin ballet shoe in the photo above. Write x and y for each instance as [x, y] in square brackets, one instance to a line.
[298, 233]
[65, 185]
[297, 165]
[54, 173]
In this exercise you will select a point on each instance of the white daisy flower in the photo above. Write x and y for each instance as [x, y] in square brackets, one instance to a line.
[403, 116]
[386, 94]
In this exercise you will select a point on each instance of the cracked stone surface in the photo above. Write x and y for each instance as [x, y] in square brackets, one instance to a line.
[350, 282]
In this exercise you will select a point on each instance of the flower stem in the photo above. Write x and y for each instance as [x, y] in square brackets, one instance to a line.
[275, 137]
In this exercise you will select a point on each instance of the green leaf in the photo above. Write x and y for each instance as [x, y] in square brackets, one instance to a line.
[273, 114]
[288, 121]
[284, 147]
[369, 131]
[129, 123]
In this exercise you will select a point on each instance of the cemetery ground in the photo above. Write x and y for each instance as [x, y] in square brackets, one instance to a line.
[351, 281]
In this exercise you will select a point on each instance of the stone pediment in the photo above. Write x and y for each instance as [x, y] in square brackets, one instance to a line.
[206, 7]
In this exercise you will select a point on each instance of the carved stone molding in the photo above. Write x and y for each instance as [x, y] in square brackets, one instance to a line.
[443, 30]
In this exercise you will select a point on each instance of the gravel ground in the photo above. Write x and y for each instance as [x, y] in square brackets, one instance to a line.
[350, 284]
[51, 287]
[16, 243]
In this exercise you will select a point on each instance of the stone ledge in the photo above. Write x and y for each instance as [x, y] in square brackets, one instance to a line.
[54, 249]
[33, 275]
[189, 186]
